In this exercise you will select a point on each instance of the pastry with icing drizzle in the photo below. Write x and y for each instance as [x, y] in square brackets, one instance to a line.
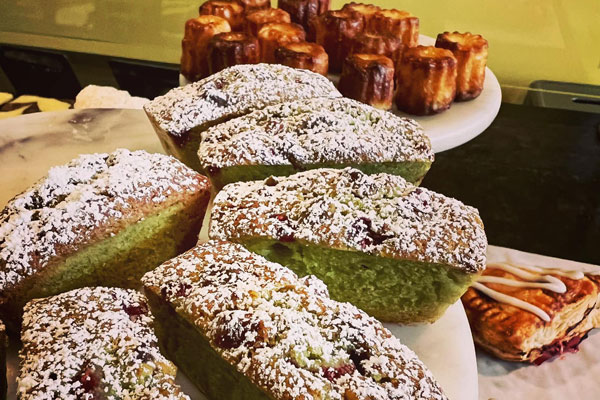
[399, 252]
[308, 134]
[531, 313]
[93, 343]
[264, 333]
[101, 219]
[183, 113]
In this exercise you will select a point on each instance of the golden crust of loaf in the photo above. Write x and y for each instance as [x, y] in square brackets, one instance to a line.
[515, 334]
[194, 46]
[304, 55]
[345, 209]
[368, 78]
[425, 80]
[284, 333]
[471, 53]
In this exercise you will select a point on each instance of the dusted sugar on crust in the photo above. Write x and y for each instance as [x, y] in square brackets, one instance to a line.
[93, 343]
[314, 131]
[91, 198]
[380, 214]
[284, 333]
[233, 92]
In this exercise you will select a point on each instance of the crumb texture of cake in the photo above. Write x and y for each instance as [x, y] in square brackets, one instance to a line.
[93, 343]
[96, 198]
[282, 333]
[309, 133]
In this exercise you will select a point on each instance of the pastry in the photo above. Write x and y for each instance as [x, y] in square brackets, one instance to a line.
[259, 18]
[194, 46]
[242, 327]
[3, 347]
[183, 113]
[334, 31]
[425, 80]
[304, 55]
[254, 5]
[368, 78]
[529, 313]
[232, 48]
[93, 343]
[304, 12]
[274, 35]
[102, 219]
[401, 24]
[231, 10]
[401, 253]
[471, 53]
[371, 43]
[366, 10]
[307, 134]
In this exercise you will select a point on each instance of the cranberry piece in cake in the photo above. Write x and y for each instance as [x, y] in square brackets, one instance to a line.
[232, 48]
[425, 80]
[257, 19]
[274, 35]
[334, 31]
[232, 11]
[471, 53]
[304, 12]
[400, 24]
[194, 46]
[368, 78]
[303, 55]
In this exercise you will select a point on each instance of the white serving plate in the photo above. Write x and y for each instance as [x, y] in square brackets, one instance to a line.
[31, 144]
[461, 123]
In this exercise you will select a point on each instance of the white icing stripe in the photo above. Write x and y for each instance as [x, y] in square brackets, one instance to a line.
[531, 280]
[521, 284]
[513, 301]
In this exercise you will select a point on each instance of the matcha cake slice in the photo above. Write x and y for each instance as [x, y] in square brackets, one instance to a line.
[314, 133]
[183, 113]
[241, 327]
[102, 219]
[93, 343]
[400, 252]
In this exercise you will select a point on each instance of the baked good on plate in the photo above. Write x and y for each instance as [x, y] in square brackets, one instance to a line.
[372, 43]
[401, 24]
[304, 12]
[242, 327]
[3, 347]
[334, 31]
[183, 113]
[274, 35]
[307, 134]
[425, 80]
[399, 252]
[471, 52]
[366, 10]
[102, 219]
[368, 78]
[194, 46]
[232, 48]
[93, 343]
[304, 55]
[257, 19]
[231, 10]
[254, 5]
[530, 313]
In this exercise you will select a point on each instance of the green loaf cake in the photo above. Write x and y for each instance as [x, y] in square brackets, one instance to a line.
[400, 252]
[93, 343]
[183, 113]
[314, 133]
[241, 327]
[102, 219]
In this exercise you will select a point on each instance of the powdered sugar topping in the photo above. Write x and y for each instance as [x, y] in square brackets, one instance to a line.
[93, 343]
[285, 333]
[346, 209]
[311, 131]
[234, 91]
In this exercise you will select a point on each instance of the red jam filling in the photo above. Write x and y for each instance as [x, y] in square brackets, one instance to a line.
[558, 348]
